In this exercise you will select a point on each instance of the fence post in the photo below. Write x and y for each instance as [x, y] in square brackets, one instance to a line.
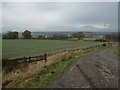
[29, 58]
[45, 56]
[25, 60]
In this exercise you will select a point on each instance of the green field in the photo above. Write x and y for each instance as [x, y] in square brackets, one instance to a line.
[117, 50]
[20, 48]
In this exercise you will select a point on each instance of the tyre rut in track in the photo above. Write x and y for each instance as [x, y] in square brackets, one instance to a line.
[86, 77]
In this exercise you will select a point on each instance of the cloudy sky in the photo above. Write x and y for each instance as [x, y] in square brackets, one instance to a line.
[60, 16]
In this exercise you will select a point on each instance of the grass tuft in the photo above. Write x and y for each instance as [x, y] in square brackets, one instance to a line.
[117, 50]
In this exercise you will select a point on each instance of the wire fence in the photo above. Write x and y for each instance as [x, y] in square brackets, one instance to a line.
[10, 64]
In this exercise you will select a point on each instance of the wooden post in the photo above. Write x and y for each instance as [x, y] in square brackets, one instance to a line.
[29, 58]
[45, 56]
[25, 60]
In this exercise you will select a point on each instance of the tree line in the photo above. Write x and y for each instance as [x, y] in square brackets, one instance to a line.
[113, 37]
[27, 35]
[15, 35]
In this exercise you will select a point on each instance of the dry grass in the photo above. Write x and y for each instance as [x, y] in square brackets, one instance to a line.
[28, 72]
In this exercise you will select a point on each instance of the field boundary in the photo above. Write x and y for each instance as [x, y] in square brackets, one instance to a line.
[10, 64]
[67, 54]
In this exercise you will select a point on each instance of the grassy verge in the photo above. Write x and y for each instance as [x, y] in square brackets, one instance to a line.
[117, 50]
[53, 72]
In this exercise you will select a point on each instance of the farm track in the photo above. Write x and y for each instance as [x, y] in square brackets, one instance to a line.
[97, 71]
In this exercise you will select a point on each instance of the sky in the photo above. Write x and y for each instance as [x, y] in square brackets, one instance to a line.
[60, 16]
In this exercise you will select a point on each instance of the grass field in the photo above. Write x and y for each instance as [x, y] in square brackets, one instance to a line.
[20, 48]
[117, 50]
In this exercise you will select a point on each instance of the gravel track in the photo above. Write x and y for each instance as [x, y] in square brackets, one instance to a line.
[96, 71]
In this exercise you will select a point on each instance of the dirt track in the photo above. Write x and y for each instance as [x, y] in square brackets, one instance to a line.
[97, 71]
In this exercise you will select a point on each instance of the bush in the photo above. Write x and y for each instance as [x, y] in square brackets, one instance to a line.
[10, 35]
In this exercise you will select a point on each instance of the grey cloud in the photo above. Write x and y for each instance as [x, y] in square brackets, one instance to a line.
[62, 16]
[95, 13]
